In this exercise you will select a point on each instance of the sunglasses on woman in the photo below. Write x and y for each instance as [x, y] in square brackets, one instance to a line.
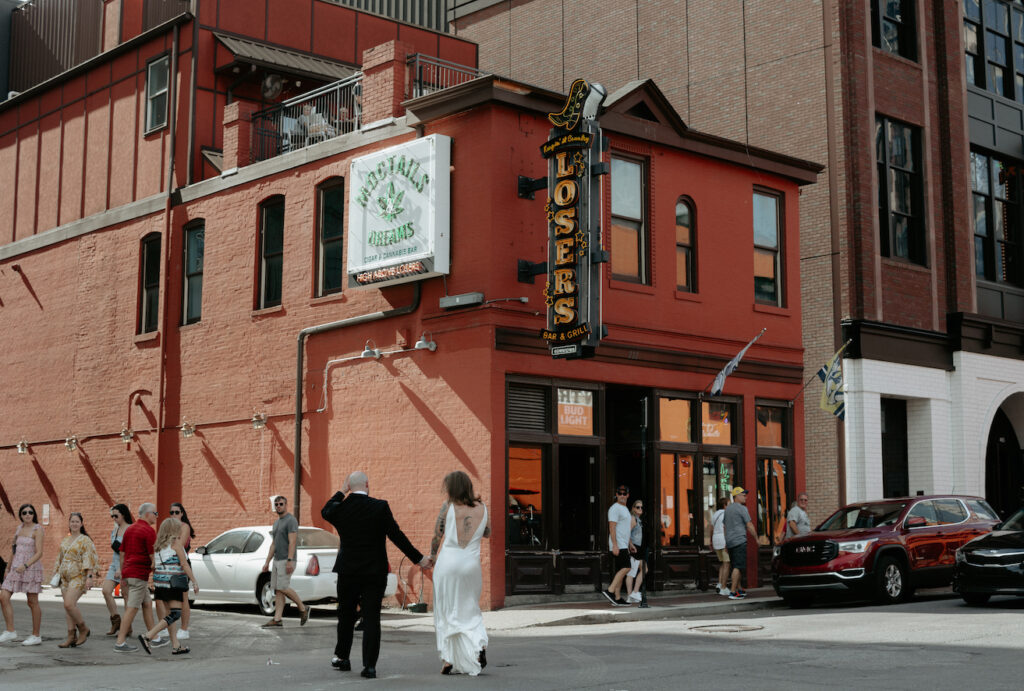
[26, 512]
[174, 512]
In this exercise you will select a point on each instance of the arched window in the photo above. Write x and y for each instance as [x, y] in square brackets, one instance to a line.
[271, 252]
[149, 283]
[330, 218]
[686, 246]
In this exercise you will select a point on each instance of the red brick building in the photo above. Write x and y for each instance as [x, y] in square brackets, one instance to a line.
[911, 241]
[151, 317]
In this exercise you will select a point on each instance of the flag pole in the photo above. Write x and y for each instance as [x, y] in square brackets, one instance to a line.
[813, 376]
[734, 363]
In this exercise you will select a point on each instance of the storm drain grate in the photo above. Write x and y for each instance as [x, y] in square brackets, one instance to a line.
[726, 628]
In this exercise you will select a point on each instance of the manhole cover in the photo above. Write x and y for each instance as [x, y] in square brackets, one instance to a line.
[726, 628]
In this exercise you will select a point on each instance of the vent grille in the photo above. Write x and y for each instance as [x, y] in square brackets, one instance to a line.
[527, 408]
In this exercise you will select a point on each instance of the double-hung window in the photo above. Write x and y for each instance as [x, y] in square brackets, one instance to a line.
[271, 254]
[767, 247]
[900, 204]
[330, 224]
[893, 27]
[149, 284]
[629, 241]
[686, 246]
[192, 276]
[996, 193]
[157, 81]
[994, 46]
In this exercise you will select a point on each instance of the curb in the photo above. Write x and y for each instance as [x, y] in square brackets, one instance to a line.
[670, 612]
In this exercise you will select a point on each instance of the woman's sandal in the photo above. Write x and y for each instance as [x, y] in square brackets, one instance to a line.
[447, 669]
[180, 651]
[145, 644]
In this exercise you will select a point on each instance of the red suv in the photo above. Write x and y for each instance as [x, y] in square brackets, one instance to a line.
[880, 549]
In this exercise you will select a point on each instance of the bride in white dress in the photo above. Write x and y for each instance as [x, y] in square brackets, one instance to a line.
[462, 522]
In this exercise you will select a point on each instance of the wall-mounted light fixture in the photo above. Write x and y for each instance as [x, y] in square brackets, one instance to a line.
[259, 420]
[426, 342]
[187, 429]
[126, 433]
[22, 446]
[369, 352]
[71, 443]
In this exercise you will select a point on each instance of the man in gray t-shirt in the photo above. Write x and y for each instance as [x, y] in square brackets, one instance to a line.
[283, 539]
[737, 525]
[797, 520]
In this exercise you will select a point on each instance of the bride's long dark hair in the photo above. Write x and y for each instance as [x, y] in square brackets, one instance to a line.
[460, 488]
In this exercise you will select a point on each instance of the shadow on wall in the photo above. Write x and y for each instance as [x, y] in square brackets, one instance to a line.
[6, 500]
[222, 475]
[28, 284]
[97, 481]
[288, 457]
[441, 430]
[147, 462]
[321, 487]
[44, 480]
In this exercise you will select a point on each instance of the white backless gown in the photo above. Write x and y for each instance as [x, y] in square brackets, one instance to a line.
[458, 582]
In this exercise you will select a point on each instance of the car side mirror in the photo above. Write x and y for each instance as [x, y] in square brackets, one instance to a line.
[916, 522]
[201, 549]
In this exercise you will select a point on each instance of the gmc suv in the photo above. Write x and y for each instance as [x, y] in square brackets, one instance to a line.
[880, 549]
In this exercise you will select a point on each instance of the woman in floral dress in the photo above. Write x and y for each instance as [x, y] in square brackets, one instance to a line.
[76, 564]
[24, 575]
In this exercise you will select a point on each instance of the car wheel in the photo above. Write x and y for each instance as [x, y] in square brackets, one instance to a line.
[975, 598]
[891, 581]
[797, 601]
[265, 595]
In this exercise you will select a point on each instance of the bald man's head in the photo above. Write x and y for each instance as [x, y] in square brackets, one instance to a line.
[357, 481]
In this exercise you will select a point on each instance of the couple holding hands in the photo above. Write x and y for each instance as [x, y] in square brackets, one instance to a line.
[363, 524]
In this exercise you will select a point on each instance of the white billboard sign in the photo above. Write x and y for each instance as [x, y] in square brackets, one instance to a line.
[399, 205]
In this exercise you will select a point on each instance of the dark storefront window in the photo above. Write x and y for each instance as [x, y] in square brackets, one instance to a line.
[895, 461]
[900, 204]
[774, 479]
[525, 496]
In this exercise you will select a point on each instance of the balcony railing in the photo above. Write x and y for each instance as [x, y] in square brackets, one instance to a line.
[317, 116]
[428, 74]
[334, 109]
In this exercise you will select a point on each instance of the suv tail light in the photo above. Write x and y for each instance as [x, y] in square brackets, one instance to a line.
[313, 567]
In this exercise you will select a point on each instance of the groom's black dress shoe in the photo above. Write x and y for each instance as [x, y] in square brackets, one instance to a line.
[343, 664]
[369, 672]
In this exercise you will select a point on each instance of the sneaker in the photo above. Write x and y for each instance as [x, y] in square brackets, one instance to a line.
[622, 603]
[8, 636]
[635, 597]
[183, 635]
[722, 590]
[159, 642]
[163, 635]
[608, 596]
[126, 647]
[741, 592]
[32, 640]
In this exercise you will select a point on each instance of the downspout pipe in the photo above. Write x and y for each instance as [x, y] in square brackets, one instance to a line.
[300, 367]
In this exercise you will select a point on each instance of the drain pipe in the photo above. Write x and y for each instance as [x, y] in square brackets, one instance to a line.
[300, 363]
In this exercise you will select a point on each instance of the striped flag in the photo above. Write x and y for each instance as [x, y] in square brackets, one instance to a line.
[832, 396]
[730, 367]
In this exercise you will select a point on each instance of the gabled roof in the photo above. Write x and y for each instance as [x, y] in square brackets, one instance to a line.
[268, 56]
[643, 100]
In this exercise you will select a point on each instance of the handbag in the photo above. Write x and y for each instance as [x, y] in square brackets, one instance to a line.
[179, 581]
[55, 581]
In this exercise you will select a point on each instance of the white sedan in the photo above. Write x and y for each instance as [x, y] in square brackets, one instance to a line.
[229, 567]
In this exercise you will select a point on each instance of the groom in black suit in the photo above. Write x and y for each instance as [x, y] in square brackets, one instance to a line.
[363, 523]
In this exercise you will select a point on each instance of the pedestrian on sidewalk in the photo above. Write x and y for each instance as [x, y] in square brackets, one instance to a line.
[24, 575]
[364, 524]
[619, 522]
[136, 572]
[171, 576]
[737, 525]
[638, 553]
[77, 561]
[284, 536]
[122, 518]
[797, 520]
[718, 544]
[177, 510]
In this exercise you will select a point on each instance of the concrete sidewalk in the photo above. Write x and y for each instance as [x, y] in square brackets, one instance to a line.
[589, 609]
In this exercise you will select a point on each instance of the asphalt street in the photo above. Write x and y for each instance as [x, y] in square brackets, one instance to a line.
[936, 642]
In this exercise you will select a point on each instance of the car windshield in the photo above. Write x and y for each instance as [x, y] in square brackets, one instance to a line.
[864, 516]
[1014, 522]
[314, 538]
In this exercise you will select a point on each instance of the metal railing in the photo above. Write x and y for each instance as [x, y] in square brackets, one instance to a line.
[428, 74]
[327, 112]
